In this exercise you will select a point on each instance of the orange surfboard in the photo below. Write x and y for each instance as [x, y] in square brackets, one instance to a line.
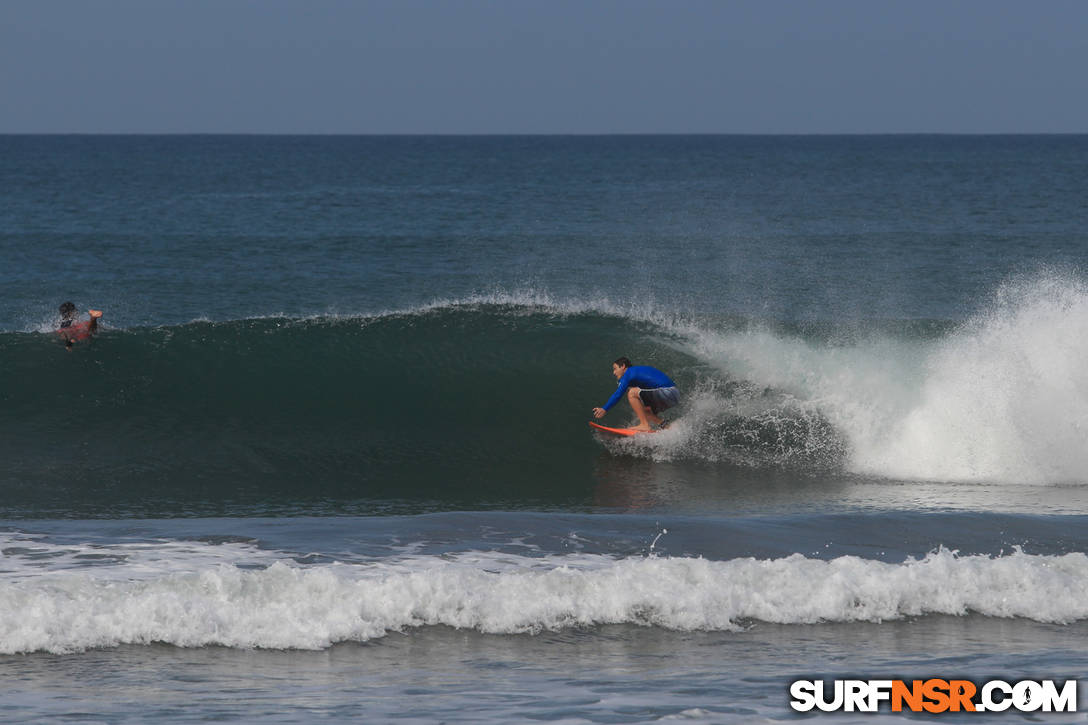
[620, 431]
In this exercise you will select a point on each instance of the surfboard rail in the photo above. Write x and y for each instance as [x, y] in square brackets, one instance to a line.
[620, 431]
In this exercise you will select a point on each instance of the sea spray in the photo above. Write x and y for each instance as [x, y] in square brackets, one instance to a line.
[1002, 396]
[1005, 397]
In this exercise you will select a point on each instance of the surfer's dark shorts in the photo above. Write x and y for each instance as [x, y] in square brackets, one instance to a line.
[660, 399]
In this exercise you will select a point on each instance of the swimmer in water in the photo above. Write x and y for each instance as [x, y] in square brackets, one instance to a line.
[72, 331]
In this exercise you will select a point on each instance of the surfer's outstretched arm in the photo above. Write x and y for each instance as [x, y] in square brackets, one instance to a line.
[72, 331]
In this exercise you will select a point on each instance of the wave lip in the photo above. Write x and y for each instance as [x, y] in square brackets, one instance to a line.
[288, 606]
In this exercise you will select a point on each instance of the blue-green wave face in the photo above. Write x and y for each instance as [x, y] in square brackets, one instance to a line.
[478, 399]
[462, 404]
[484, 404]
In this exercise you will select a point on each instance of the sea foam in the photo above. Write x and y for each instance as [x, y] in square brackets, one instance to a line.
[288, 605]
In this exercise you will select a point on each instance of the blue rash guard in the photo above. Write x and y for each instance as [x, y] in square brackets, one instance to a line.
[639, 376]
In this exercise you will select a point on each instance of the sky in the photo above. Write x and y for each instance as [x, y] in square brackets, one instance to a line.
[547, 67]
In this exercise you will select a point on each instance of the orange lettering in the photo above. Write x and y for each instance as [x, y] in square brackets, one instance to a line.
[961, 693]
[911, 695]
[936, 691]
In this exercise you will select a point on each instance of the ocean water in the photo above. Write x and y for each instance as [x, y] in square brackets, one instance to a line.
[328, 458]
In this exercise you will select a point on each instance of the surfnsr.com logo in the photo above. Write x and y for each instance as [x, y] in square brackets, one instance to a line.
[933, 696]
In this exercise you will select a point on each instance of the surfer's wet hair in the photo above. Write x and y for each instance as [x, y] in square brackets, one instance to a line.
[622, 362]
[68, 309]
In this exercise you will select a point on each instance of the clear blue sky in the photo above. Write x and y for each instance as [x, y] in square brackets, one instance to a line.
[554, 66]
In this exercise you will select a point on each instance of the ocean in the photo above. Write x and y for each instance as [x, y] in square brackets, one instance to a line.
[327, 458]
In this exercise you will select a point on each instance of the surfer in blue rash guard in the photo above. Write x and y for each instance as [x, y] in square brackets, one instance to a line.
[649, 391]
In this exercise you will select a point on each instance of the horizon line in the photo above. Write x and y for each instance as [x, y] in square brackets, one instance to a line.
[516, 134]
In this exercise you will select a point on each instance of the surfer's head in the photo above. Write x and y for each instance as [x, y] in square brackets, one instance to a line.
[619, 366]
[68, 310]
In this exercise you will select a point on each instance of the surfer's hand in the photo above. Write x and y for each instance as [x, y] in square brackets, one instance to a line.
[95, 314]
[598, 412]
